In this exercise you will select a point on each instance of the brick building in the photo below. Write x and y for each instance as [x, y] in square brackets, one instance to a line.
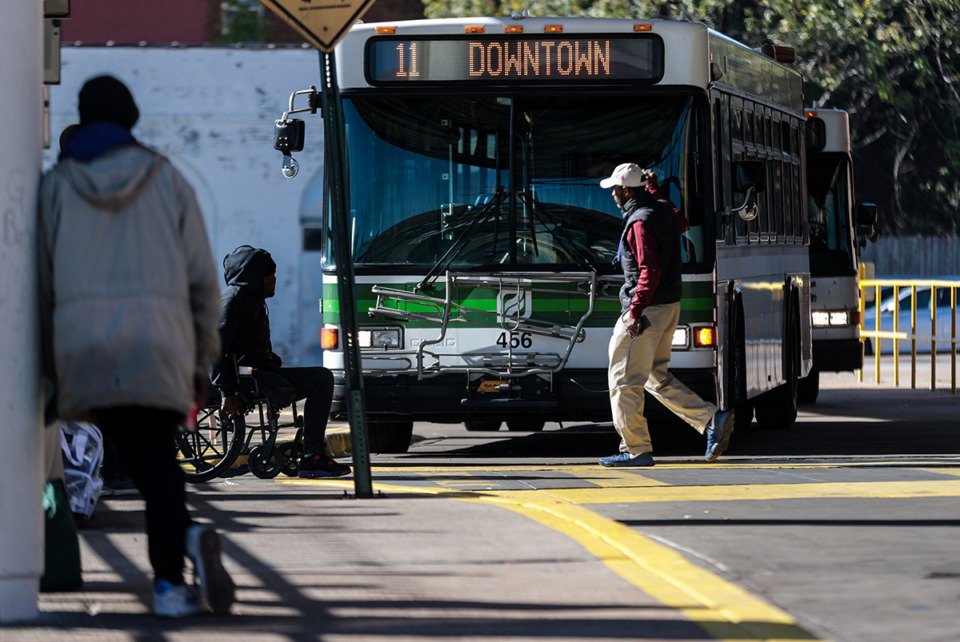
[189, 22]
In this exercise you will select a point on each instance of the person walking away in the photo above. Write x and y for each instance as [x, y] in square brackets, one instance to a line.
[640, 347]
[251, 277]
[129, 323]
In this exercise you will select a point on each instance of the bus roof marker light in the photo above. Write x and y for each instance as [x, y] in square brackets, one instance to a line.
[513, 29]
[473, 29]
[386, 31]
[646, 26]
[553, 29]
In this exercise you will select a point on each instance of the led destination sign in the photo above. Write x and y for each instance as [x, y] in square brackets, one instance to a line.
[499, 60]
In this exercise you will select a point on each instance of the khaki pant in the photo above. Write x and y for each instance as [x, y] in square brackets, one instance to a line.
[641, 363]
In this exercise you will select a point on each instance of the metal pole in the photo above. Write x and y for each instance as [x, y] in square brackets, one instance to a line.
[335, 175]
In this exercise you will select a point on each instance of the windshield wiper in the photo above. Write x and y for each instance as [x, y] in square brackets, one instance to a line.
[541, 213]
[491, 206]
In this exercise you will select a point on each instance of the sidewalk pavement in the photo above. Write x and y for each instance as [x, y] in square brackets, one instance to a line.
[313, 563]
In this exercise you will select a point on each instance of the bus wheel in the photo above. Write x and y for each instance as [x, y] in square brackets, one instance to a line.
[390, 437]
[482, 425]
[742, 416]
[809, 388]
[525, 425]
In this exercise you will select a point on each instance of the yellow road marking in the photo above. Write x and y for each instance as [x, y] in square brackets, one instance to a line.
[721, 608]
[943, 465]
[754, 492]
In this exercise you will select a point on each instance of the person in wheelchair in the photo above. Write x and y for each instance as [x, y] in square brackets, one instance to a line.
[251, 277]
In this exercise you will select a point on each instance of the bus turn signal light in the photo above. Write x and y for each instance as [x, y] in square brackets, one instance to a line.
[329, 338]
[705, 337]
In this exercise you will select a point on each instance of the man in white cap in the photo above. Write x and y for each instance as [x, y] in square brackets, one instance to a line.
[649, 254]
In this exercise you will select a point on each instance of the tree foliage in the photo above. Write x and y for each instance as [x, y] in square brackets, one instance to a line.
[893, 64]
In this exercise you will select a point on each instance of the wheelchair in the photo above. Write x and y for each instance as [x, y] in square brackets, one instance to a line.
[215, 447]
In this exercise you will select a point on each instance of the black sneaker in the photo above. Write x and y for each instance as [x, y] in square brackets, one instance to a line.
[317, 466]
[718, 434]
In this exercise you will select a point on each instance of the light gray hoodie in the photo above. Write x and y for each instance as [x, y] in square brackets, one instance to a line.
[130, 300]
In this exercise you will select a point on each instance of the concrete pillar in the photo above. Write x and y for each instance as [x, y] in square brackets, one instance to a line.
[21, 477]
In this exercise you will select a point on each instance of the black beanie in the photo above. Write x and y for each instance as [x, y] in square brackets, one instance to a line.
[105, 98]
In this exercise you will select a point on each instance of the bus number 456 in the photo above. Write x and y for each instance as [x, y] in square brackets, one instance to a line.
[515, 340]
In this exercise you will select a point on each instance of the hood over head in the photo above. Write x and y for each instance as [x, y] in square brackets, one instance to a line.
[115, 179]
[246, 267]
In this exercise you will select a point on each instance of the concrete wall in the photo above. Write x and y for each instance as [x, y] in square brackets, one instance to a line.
[212, 111]
[21, 473]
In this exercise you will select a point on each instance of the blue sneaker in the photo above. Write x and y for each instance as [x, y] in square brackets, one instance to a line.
[176, 600]
[626, 459]
[718, 434]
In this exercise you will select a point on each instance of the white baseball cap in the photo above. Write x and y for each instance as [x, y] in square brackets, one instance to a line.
[626, 175]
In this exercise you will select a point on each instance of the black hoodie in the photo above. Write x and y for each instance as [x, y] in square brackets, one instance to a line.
[244, 319]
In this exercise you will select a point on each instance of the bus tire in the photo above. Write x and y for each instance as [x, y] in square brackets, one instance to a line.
[809, 388]
[482, 425]
[390, 437]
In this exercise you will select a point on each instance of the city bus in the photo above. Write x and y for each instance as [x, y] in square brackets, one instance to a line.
[838, 231]
[483, 246]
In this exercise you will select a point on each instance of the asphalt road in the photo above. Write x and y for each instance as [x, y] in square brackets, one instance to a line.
[844, 528]
[848, 522]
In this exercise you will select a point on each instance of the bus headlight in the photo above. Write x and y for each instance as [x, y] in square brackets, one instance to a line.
[686, 337]
[379, 338]
[830, 318]
[680, 337]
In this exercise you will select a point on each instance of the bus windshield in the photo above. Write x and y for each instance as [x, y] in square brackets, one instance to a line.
[494, 181]
[831, 243]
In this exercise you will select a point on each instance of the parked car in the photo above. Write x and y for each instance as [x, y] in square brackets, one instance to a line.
[924, 319]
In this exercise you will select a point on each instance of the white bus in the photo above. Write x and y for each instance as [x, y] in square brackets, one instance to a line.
[483, 244]
[837, 232]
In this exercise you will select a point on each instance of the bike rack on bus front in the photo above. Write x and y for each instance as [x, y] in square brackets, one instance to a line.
[445, 312]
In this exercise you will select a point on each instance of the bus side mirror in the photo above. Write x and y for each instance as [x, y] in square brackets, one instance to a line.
[289, 135]
[749, 177]
[868, 214]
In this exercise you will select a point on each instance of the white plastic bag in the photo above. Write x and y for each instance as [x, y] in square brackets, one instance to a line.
[82, 446]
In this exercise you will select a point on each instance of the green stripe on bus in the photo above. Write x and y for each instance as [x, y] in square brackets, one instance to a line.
[697, 305]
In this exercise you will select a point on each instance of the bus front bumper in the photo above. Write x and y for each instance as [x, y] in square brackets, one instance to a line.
[572, 395]
[844, 355]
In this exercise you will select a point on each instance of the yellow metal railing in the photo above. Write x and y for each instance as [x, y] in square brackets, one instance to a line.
[916, 332]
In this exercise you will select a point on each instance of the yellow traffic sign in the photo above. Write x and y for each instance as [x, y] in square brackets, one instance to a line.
[321, 22]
